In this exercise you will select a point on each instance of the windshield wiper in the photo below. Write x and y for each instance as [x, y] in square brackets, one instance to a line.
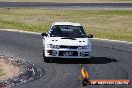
[69, 38]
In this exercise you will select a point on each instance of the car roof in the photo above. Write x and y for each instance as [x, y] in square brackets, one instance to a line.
[66, 23]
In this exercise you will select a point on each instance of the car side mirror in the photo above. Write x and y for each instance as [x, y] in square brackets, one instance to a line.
[90, 36]
[44, 34]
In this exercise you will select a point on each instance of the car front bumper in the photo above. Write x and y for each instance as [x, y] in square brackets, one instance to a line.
[66, 53]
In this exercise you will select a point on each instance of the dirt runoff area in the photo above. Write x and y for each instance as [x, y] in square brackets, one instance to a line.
[8, 69]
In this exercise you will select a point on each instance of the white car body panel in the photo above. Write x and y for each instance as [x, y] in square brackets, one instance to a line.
[66, 23]
[77, 42]
[59, 41]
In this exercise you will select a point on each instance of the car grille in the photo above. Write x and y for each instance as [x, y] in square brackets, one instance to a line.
[68, 47]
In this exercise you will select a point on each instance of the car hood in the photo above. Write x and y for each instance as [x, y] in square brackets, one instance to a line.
[67, 41]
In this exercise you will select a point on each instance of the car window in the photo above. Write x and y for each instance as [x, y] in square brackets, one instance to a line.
[67, 31]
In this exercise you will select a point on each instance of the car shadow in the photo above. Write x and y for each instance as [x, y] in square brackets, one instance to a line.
[92, 60]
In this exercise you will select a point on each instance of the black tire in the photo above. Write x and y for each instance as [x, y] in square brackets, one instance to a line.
[43, 53]
[46, 59]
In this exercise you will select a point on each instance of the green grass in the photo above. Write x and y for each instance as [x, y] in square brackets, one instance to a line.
[111, 24]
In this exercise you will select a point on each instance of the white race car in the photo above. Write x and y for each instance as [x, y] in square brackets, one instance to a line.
[66, 40]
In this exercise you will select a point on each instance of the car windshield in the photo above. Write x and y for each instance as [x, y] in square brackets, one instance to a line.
[67, 31]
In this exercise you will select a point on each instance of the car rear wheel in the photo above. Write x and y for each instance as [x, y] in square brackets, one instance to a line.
[46, 59]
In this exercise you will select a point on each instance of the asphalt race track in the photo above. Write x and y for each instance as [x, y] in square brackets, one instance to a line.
[65, 5]
[109, 60]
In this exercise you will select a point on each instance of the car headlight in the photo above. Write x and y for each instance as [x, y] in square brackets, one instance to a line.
[52, 46]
